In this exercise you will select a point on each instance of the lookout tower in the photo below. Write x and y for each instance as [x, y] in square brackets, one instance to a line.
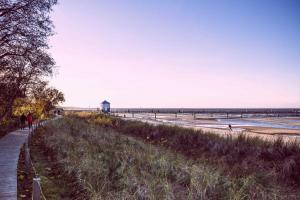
[105, 106]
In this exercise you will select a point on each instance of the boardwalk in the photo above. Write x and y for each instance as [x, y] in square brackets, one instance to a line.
[9, 153]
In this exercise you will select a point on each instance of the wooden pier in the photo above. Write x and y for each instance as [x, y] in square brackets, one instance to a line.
[275, 112]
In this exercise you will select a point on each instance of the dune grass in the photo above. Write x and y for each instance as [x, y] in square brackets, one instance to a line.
[235, 156]
[115, 159]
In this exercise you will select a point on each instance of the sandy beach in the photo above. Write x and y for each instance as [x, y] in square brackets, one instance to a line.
[270, 128]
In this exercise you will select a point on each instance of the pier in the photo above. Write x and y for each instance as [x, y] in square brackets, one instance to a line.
[228, 112]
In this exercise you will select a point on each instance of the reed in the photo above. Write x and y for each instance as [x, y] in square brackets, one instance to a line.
[116, 159]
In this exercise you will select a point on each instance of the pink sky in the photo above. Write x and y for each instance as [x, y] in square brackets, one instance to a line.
[133, 57]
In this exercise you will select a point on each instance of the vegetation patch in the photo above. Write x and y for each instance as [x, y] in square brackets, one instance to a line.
[54, 182]
[24, 178]
[108, 164]
[8, 125]
[235, 156]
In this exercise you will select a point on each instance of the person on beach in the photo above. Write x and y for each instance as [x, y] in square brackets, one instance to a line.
[230, 128]
[23, 120]
[29, 120]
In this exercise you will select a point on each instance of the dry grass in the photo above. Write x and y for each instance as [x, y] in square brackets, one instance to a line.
[110, 165]
[235, 156]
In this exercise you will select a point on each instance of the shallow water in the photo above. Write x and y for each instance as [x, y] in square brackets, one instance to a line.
[220, 122]
[266, 124]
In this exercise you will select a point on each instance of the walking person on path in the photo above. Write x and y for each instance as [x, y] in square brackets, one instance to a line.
[29, 120]
[23, 120]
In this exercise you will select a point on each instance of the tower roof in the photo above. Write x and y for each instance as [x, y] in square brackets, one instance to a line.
[105, 102]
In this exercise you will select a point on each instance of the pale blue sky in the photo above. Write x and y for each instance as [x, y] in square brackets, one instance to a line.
[178, 53]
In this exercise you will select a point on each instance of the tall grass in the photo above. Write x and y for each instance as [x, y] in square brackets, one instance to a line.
[235, 156]
[111, 165]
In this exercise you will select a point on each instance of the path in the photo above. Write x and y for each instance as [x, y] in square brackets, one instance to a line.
[10, 146]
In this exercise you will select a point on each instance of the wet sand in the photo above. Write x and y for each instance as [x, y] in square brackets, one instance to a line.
[273, 131]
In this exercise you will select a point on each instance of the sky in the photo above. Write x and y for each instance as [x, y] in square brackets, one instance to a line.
[177, 53]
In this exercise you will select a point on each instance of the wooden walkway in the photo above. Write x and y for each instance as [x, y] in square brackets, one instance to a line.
[10, 146]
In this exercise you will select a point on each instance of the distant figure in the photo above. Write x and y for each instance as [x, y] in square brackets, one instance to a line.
[23, 120]
[29, 120]
[230, 128]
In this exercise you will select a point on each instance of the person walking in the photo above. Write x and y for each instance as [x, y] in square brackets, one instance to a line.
[23, 120]
[230, 128]
[29, 120]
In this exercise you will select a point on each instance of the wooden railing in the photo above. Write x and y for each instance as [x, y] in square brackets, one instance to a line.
[37, 192]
